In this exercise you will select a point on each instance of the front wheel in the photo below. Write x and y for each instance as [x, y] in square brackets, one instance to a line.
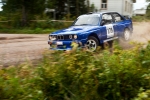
[127, 35]
[92, 43]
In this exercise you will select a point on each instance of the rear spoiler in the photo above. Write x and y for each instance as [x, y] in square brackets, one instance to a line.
[127, 17]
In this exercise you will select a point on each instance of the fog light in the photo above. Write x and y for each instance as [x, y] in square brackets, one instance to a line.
[50, 42]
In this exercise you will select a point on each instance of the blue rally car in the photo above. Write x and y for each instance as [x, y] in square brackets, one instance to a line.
[92, 30]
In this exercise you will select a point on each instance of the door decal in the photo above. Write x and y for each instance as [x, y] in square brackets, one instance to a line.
[109, 30]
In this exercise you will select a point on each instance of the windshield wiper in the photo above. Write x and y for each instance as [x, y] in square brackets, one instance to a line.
[82, 24]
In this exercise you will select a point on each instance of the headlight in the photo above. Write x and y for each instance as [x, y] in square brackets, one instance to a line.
[75, 36]
[52, 37]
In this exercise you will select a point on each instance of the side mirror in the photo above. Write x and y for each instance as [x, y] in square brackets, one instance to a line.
[127, 17]
[102, 22]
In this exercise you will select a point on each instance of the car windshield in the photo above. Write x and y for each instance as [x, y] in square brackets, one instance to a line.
[87, 20]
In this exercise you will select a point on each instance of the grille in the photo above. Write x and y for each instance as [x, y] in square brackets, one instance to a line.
[64, 37]
[60, 37]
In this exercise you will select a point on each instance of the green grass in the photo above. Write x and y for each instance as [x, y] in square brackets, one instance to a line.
[33, 27]
[140, 19]
[27, 31]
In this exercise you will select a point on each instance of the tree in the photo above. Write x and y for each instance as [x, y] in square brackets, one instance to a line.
[148, 11]
[28, 8]
[67, 7]
[60, 7]
[78, 7]
[3, 1]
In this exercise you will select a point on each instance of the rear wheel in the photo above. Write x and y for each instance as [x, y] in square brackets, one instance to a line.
[126, 35]
[92, 43]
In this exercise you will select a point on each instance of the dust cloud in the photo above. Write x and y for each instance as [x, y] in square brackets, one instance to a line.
[141, 34]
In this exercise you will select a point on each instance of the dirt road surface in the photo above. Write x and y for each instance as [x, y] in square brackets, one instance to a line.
[16, 48]
[141, 32]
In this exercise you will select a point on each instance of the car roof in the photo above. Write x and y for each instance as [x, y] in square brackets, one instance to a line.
[101, 12]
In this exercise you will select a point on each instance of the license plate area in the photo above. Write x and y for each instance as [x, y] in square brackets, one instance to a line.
[59, 43]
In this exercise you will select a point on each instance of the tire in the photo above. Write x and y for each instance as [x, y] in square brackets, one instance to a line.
[92, 43]
[110, 43]
[126, 35]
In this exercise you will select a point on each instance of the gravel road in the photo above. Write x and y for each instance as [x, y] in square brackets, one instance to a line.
[16, 48]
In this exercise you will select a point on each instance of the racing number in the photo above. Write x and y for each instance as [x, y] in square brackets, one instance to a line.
[109, 30]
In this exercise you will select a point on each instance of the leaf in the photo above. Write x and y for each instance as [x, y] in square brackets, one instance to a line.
[145, 62]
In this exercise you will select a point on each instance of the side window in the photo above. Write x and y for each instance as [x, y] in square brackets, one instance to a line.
[117, 18]
[106, 19]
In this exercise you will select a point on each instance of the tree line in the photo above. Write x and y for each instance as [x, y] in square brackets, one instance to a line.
[25, 10]
[29, 9]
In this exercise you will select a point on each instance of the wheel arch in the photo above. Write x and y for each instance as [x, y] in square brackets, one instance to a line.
[95, 35]
[126, 28]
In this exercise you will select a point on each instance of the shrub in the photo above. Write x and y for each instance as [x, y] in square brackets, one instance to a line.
[88, 76]
[138, 18]
[18, 83]
[80, 75]
[143, 95]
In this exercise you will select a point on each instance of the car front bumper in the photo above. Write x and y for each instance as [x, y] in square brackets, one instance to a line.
[63, 45]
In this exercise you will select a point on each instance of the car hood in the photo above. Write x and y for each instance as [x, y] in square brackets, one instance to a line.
[76, 30]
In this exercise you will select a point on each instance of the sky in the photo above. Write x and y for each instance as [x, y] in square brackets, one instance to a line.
[0, 6]
[140, 4]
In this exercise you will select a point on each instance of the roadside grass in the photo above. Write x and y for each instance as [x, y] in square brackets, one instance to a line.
[140, 19]
[33, 27]
[27, 31]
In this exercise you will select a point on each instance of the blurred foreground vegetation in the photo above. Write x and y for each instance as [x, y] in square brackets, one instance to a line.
[80, 75]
